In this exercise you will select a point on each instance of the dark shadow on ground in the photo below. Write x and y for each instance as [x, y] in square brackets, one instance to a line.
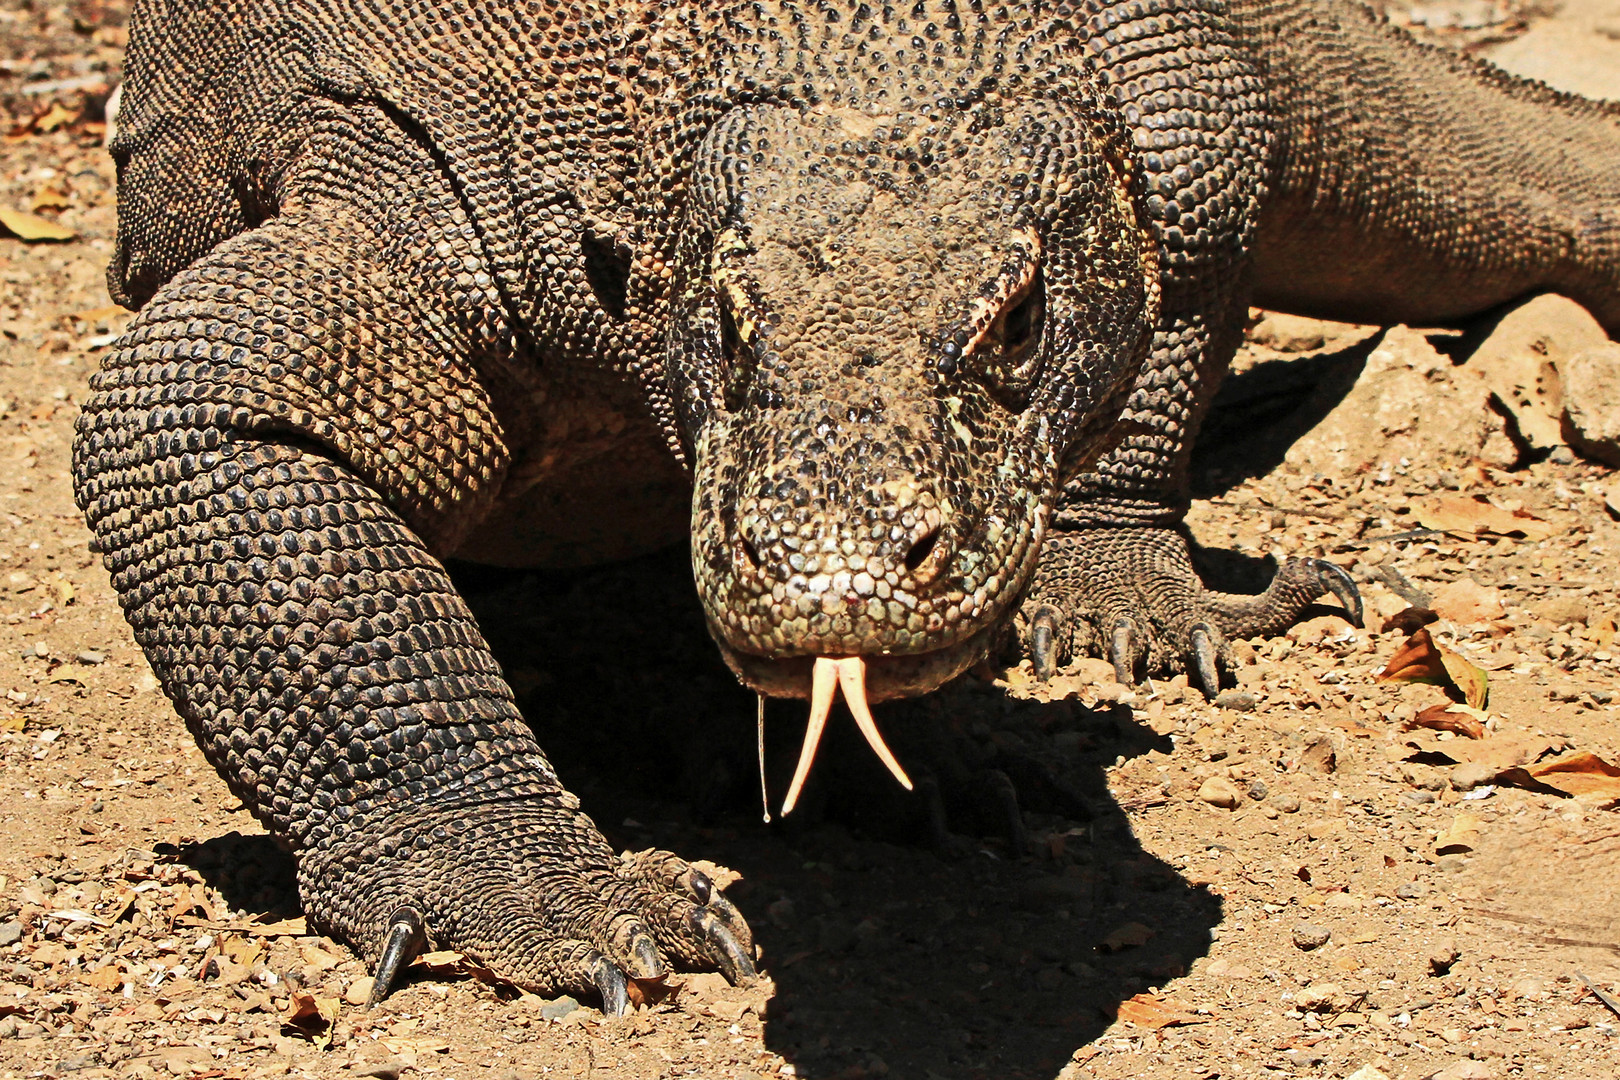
[251, 871]
[1259, 413]
[950, 935]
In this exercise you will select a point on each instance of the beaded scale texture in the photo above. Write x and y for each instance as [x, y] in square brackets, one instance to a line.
[904, 314]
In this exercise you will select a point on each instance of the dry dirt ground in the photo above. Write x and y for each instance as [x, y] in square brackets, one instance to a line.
[1287, 882]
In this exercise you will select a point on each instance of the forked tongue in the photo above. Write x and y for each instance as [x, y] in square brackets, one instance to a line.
[848, 672]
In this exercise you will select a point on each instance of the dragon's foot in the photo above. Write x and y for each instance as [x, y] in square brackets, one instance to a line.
[530, 891]
[1132, 595]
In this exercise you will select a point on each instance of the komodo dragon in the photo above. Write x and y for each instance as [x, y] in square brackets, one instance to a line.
[905, 314]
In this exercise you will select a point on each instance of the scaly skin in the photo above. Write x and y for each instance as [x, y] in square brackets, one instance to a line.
[926, 300]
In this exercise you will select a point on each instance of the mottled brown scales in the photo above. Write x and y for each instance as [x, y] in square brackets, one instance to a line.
[905, 313]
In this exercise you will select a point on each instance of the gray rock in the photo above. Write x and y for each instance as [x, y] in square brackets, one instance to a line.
[557, 1008]
[1591, 422]
[1471, 774]
[1310, 936]
[10, 932]
[1236, 700]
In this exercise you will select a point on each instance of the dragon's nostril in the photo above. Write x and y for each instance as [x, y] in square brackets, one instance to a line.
[923, 548]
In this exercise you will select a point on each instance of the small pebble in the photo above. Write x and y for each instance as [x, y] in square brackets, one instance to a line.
[1219, 791]
[1471, 774]
[1287, 803]
[1236, 700]
[1258, 790]
[1442, 956]
[558, 1008]
[1412, 890]
[90, 656]
[1310, 936]
[359, 991]
[10, 932]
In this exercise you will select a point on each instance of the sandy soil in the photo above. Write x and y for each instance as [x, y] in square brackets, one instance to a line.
[1286, 882]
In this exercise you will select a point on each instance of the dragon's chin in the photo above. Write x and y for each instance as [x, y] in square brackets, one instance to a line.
[888, 676]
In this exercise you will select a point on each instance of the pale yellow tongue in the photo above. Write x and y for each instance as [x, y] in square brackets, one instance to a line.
[848, 672]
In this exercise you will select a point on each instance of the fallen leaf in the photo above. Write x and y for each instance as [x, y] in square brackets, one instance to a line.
[1419, 659]
[1153, 1012]
[12, 721]
[1470, 516]
[446, 962]
[1461, 719]
[31, 227]
[311, 1017]
[1580, 774]
[1460, 836]
[50, 197]
[57, 116]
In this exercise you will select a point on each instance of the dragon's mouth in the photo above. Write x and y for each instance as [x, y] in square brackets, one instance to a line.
[863, 680]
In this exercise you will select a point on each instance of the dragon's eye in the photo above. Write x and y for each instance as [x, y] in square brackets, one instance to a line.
[731, 344]
[1021, 324]
[1010, 353]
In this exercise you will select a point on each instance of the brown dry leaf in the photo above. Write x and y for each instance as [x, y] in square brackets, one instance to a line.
[284, 928]
[1470, 516]
[1461, 719]
[57, 116]
[1580, 774]
[318, 958]
[446, 962]
[1419, 659]
[1127, 936]
[50, 197]
[1501, 752]
[1460, 836]
[1153, 1012]
[32, 227]
[311, 1017]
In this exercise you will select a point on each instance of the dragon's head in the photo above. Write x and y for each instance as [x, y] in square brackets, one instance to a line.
[893, 338]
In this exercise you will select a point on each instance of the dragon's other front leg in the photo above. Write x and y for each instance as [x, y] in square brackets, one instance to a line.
[272, 457]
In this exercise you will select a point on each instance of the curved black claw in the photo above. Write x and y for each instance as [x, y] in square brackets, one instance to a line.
[1043, 643]
[1338, 582]
[1122, 651]
[612, 985]
[406, 938]
[733, 960]
[1205, 659]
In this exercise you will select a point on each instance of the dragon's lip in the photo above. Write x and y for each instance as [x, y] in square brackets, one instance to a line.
[888, 675]
[863, 679]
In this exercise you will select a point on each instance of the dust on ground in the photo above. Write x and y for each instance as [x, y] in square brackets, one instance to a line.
[1291, 881]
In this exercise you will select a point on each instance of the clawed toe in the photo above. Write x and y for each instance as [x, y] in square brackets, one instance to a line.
[404, 941]
[1206, 659]
[1336, 580]
[611, 984]
[1122, 651]
[1043, 650]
